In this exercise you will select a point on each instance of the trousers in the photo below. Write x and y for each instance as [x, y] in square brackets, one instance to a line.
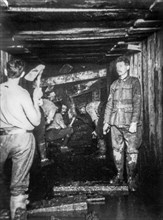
[20, 148]
[122, 138]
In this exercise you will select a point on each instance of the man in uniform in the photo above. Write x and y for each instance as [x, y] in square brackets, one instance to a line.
[18, 116]
[122, 116]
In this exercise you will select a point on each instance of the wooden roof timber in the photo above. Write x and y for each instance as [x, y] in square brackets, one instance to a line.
[143, 30]
[82, 3]
[56, 25]
[73, 35]
[3, 3]
[74, 77]
[76, 30]
[157, 6]
[82, 35]
[70, 14]
[141, 23]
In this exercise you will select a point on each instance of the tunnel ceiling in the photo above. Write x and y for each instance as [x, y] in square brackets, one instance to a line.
[66, 31]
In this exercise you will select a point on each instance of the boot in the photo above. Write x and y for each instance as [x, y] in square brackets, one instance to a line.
[132, 186]
[42, 150]
[131, 171]
[119, 162]
[117, 180]
[17, 202]
[101, 145]
[64, 148]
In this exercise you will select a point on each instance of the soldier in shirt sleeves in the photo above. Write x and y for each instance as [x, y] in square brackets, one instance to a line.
[19, 114]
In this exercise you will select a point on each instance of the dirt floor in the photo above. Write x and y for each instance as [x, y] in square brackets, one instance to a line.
[82, 167]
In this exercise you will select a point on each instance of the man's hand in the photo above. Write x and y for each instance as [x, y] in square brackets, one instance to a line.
[94, 134]
[37, 95]
[133, 127]
[106, 128]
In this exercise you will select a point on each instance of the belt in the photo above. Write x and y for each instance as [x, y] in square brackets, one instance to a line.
[4, 131]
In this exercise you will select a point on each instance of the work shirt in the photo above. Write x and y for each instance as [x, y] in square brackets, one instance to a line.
[124, 102]
[14, 105]
[58, 122]
[92, 109]
[48, 106]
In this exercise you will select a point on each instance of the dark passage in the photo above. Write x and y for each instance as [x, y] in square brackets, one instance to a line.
[83, 167]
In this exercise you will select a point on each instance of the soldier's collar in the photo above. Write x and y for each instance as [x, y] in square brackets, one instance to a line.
[124, 78]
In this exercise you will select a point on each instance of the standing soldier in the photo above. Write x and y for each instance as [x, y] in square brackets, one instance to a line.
[18, 117]
[122, 116]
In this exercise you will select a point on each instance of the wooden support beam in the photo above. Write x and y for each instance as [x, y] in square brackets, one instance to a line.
[157, 6]
[71, 10]
[141, 23]
[77, 14]
[125, 47]
[143, 30]
[3, 3]
[71, 34]
[90, 189]
[83, 3]
[61, 208]
[75, 77]
[113, 54]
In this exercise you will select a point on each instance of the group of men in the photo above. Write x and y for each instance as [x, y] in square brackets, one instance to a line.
[20, 114]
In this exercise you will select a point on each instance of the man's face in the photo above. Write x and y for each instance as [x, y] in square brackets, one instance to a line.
[122, 68]
[50, 116]
[52, 96]
[64, 109]
[82, 110]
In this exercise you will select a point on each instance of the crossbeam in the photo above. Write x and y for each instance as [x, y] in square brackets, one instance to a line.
[75, 77]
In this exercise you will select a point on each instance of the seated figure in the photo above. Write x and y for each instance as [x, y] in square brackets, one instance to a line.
[58, 129]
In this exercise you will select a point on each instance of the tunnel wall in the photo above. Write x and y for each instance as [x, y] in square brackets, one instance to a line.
[148, 67]
[4, 57]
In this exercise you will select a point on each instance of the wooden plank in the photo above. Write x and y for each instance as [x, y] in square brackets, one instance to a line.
[157, 5]
[147, 23]
[4, 58]
[75, 77]
[143, 30]
[74, 10]
[72, 14]
[84, 4]
[71, 34]
[150, 49]
[77, 215]
[61, 208]
[3, 3]
[90, 189]
[159, 69]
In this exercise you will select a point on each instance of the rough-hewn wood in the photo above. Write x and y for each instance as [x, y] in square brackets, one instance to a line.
[75, 77]
[147, 23]
[143, 30]
[84, 4]
[52, 30]
[3, 3]
[61, 208]
[89, 189]
[150, 75]
[71, 34]
[157, 5]
[4, 57]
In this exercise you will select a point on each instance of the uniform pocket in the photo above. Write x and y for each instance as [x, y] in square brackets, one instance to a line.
[128, 111]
